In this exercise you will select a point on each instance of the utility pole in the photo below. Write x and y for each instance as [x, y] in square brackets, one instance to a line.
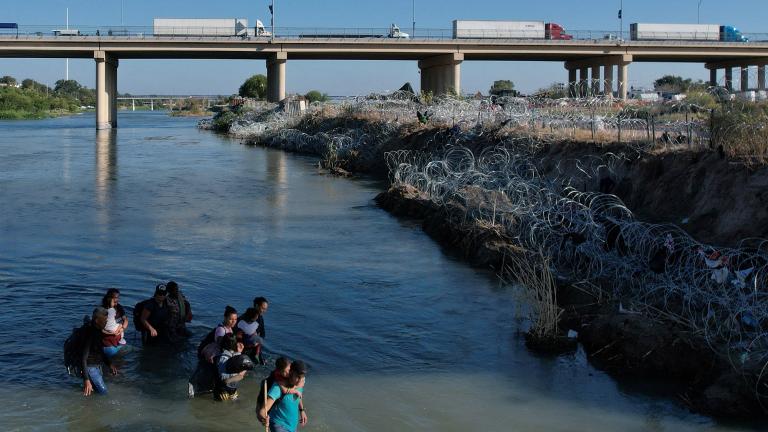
[413, 15]
[621, 20]
[698, 13]
[66, 73]
[272, 12]
[122, 21]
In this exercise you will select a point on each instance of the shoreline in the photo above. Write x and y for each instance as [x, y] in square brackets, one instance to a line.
[617, 339]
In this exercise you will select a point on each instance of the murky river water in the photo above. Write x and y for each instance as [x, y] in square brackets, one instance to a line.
[399, 336]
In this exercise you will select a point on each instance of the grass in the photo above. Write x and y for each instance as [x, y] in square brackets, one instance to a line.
[532, 271]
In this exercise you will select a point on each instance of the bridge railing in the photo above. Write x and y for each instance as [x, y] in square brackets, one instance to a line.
[298, 33]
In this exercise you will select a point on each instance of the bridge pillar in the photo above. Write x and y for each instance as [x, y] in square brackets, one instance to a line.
[595, 79]
[608, 80]
[572, 83]
[713, 77]
[276, 77]
[106, 90]
[729, 78]
[441, 75]
[624, 76]
[745, 78]
[761, 76]
[583, 78]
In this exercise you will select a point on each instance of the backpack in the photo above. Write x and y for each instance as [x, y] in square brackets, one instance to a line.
[210, 337]
[137, 311]
[73, 348]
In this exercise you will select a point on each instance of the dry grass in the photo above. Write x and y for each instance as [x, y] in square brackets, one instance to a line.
[531, 270]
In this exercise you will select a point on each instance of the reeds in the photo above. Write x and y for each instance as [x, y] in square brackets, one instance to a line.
[538, 290]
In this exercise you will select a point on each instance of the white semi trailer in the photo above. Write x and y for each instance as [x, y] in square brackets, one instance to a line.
[488, 29]
[702, 32]
[686, 32]
[207, 27]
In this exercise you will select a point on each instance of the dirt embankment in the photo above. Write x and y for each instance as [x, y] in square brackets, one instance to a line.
[715, 200]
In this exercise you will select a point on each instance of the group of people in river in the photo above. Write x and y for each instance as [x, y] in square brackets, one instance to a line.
[225, 355]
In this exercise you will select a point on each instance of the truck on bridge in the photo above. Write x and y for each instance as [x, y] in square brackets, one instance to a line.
[488, 29]
[208, 27]
[394, 33]
[685, 32]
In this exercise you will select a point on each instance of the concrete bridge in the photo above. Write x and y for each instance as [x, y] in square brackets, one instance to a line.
[170, 99]
[589, 63]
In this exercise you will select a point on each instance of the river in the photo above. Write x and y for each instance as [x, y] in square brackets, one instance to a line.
[397, 333]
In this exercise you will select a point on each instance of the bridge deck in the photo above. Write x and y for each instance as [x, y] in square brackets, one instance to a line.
[374, 48]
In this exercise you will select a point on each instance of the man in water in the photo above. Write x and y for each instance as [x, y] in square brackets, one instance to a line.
[93, 355]
[154, 317]
[284, 409]
[179, 312]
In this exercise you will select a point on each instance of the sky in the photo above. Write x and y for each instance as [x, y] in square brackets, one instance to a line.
[344, 78]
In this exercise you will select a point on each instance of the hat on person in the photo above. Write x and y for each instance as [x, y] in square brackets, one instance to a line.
[160, 289]
[239, 363]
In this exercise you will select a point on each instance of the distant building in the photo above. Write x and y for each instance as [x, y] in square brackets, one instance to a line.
[644, 95]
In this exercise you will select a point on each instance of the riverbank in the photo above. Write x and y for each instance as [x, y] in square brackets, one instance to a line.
[646, 300]
[35, 101]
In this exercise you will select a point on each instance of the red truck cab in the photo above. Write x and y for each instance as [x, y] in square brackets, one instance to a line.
[555, 31]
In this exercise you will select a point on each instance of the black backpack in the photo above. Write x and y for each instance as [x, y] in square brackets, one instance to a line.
[137, 311]
[73, 348]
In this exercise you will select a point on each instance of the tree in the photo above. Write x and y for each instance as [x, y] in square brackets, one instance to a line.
[30, 84]
[254, 87]
[9, 80]
[68, 87]
[503, 88]
[316, 96]
[554, 91]
[672, 84]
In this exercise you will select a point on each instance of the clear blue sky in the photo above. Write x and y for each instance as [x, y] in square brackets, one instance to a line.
[357, 77]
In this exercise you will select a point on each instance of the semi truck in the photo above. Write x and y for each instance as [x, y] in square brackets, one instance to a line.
[487, 29]
[685, 32]
[208, 27]
[394, 33]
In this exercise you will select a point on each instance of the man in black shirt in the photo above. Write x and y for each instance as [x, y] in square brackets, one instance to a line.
[93, 354]
[154, 317]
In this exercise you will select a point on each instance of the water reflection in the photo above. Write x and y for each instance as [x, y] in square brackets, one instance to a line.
[106, 175]
[276, 177]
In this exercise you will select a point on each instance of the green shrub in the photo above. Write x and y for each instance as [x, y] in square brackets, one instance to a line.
[223, 121]
[316, 96]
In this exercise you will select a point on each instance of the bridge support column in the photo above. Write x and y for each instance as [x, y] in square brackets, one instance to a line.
[624, 76]
[713, 77]
[441, 75]
[276, 77]
[607, 62]
[761, 77]
[595, 79]
[106, 90]
[608, 83]
[729, 79]
[745, 78]
[572, 83]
